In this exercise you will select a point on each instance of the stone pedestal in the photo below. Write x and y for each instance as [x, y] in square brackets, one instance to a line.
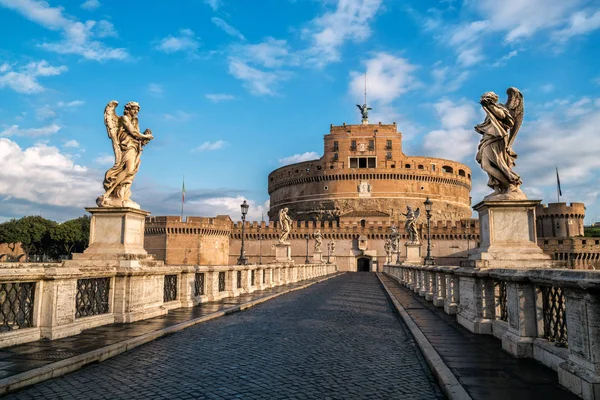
[330, 259]
[413, 254]
[317, 257]
[115, 232]
[283, 253]
[508, 237]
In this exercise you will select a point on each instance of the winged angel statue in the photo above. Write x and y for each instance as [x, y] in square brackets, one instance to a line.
[127, 143]
[495, 153]
[411, 224]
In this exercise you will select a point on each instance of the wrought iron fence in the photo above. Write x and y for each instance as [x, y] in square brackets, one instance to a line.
[170, 289]
[16, 305]
[501, 308]
[264, 276]
[252, 277]
[222, 281]
[555, 322]
[92, 297]
[239, 279]
[199, 284]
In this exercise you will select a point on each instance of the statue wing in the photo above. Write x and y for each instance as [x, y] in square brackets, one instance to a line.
[359, 107]
[417, 213]
[516, 107]
[111, 121]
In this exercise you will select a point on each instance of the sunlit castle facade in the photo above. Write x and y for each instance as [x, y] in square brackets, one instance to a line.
[363, 169]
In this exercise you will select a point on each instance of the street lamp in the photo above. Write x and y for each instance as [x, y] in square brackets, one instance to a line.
[428, 259]
[243, 260]
[307, 237]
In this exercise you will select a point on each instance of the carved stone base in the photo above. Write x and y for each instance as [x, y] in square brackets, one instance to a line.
[116, 232]
[283, 253]
[317, 257]
[413, 254]
[508, 237]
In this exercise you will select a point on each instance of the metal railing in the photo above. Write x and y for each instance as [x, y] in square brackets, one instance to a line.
[501, 305]
[92, 297]
[199, 284]
[16, 305]
[553, 310]
[222, 281]
[170, 289]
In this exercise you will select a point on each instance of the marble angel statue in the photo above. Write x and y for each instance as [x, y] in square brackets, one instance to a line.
[128, 142]
[495, 153]
[411, 224]
[318, 241]
[285, 225]
[394, 238]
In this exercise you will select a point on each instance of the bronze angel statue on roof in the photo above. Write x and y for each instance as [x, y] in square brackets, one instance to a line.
[128, 142]
[495, 153]
[364, 111]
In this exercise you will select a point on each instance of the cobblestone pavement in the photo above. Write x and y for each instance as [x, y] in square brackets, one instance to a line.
[338, 339]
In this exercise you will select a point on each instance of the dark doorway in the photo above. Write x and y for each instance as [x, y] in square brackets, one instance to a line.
[363, 265]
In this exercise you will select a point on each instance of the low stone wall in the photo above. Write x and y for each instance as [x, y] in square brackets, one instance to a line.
[550, 315]
[58, 300]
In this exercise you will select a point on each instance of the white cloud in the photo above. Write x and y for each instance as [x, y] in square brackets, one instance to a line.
[185, 41]
[455, 140]
[179, 116]
[209, 146]
[447, 79]
[348, 22]
[78, 37]
[42, 174]
[214, 4]
[228, 29]
[258, 82]
[25, 79]
[14, 130]
[71, 143]
[90, 4]
[70, 104]
[580, 23]
[105, 159]
[388, 77]
[217, 97]
[547, 88]
[155, 88]
[229, 205]
[45, 112]
[296, 158]
[504, 59]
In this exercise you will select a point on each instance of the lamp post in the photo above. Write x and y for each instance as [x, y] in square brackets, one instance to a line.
[398, 249]
[428, 259]
[243, 260]
[307, 237]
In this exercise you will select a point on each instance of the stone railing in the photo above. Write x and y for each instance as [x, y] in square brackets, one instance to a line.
[58, 300]
[550, 315]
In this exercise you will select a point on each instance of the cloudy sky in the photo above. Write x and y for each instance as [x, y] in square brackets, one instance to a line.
[233, 89]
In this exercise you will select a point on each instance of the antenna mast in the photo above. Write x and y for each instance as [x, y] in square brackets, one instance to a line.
[365, 88]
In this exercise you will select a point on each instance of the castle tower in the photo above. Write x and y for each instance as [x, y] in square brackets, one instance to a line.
[560, 220]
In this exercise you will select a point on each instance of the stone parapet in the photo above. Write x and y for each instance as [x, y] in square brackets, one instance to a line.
[547, 314]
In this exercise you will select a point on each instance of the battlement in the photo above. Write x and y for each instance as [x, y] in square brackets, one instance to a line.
[363, 129]
[572, 210]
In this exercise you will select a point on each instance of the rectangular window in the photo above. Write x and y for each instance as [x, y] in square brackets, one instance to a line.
[362, 162]
[372, 163]
[353, 145]
[388, 144]
[371, 145]
[388, 155]
[433, 167]
[335, 146]
[353, 162]
[335, 158]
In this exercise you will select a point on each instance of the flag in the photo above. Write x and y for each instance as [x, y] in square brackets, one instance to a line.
[558, 182]
[183, 191]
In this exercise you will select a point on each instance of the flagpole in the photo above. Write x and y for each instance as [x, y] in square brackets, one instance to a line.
[182, 196]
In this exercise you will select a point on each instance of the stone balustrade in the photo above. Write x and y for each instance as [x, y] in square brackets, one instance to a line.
[58, 300]
[551, 315]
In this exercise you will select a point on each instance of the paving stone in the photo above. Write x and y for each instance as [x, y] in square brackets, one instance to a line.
[338, 339]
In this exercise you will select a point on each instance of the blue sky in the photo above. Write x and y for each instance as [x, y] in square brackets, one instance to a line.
[233, 89]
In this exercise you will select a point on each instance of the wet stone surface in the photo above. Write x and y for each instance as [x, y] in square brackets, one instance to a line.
[338, 339]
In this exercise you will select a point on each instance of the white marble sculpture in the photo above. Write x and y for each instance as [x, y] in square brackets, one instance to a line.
[411, 225]
[128, 142]
[285, 225]
[495, 153]
[318, 241]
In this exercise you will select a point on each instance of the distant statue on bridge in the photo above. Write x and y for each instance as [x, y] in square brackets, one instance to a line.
[495, 153]
[331, 246]
[318, 241]
[387, 246]
[285, 225]
[394, 238]
[127, 142]
[411, 225]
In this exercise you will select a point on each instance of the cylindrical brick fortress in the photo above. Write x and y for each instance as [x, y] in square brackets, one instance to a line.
[363, 168]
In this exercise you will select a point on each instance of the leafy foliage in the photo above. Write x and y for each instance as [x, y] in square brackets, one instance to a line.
[41, 236]
[591, 231]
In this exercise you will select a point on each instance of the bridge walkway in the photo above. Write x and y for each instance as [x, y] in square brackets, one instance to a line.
[337, 339]
[478, 361]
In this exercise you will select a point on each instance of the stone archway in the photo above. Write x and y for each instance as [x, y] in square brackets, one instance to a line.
[363, 264]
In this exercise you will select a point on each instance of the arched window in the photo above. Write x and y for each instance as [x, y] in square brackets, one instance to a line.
[447, 169]
[363, 223]
[461, 172]
[420, 167]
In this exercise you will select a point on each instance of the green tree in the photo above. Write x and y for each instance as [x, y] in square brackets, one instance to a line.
[70, 236]
[35, 235]
[10, 233]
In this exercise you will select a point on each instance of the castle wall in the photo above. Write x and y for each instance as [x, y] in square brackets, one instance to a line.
[560, 220]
